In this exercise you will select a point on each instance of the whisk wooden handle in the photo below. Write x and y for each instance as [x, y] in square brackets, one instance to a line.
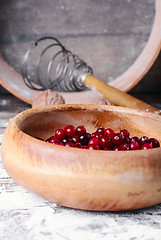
[118, 97]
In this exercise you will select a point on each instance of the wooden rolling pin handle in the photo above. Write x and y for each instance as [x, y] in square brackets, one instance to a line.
[118, 97]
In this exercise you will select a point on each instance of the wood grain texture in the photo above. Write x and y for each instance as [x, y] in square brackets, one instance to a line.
[26, 216]
[118, 97]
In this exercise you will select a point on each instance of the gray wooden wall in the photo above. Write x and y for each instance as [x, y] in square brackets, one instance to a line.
[108, 34]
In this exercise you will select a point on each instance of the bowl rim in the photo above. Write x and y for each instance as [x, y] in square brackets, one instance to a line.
[19, 118]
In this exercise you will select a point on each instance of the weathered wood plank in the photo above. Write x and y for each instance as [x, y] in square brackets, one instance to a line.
[61, 223]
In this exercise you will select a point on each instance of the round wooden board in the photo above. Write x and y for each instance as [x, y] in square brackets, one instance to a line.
[12, 80]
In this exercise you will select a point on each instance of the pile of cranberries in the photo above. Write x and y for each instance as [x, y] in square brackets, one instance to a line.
[101, 139]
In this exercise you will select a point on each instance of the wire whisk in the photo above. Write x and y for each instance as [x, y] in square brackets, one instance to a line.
[52, 66]
[63, 68]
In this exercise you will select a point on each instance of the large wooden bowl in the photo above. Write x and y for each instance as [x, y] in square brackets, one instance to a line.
[80, 178]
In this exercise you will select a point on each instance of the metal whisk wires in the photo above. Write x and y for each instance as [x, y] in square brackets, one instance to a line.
[52, 66]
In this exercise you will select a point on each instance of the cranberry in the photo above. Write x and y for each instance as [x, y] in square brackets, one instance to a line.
[125, 134]
[94, 147]
[146, 146]
[105, 139]
[109, 149]
[143, 140]
[93, 141]
[85, 146]
[54, 140]
[105, 142]
[60, 133]
[134, 146]
[89, 134]
[117, 139]
[74, 139]
[78, 145]
[58, 143]
[116, 148]
[134, 139]
[96, 135]
[100, 130]
[154, 142]
[70, 130]
[127, 140]
[69, 144]
[51, 139]
[109, 132]
[66, 139]
[80, 130]
[84, 138]
[123, 147]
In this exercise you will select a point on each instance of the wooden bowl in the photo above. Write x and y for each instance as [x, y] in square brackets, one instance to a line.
[79, 178]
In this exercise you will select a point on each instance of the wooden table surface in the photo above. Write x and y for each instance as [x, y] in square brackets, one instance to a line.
[25, 216]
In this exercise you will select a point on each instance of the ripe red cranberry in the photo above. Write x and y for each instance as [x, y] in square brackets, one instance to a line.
[123, 147]
[75, 139]
[134, 146]
[116, 148]
[125, 134]
[54, 140]
[94, 147]
[127, 140]
[84, 138]
[96, 135]
[109, 149]
[117, 139]
[70, 130]
[80, 130]
[59, 133]
[58, 143]
[100, 130]
[93, 141]
[109, 132]
[134, 139]
[89, 134]
[154, 142]
[146, 146]
[69, 144]
[143, 140]
[49, 139]
[85, 146]
[105, 142]
[104, 139]
[78, 145]
[66, 139]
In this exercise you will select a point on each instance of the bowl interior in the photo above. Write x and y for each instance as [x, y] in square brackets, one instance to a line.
[42, 122]
[79, 178]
